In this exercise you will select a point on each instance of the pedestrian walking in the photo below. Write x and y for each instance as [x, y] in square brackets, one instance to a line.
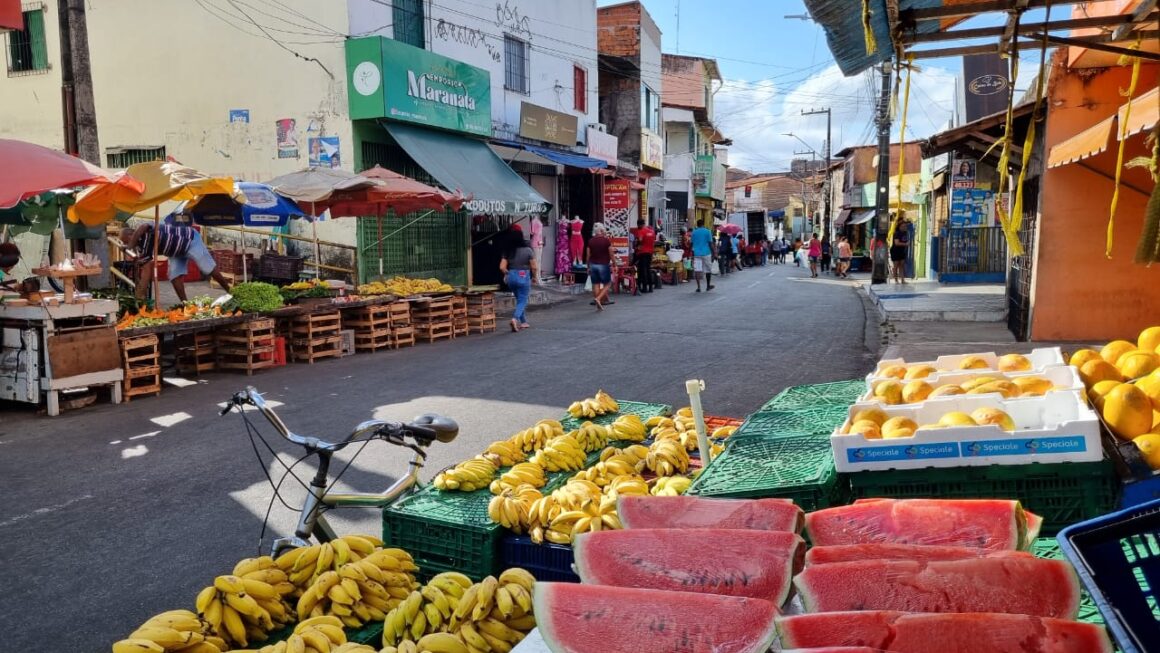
[764, 245]
[827, 252]
[845, 255]
[686, 254]
[701, 241]
[600, 264]
[797, 249]
[783, 250]
[724, 252]
[645, 242]
[734, 258]
[518, 266]
[899, 250]
[815, 254]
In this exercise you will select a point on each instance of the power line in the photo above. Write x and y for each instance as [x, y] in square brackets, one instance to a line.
[234, 4]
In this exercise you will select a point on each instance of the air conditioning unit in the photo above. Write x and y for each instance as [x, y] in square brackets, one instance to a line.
[599, 126]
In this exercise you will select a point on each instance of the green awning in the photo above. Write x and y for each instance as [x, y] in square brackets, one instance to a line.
[469, 166]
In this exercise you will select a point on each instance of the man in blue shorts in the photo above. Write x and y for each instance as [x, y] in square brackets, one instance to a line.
[179, 245]
[703, 255]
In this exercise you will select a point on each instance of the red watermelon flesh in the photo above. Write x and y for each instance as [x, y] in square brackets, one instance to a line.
[757, 564]
[579, 618]
[944, 633]
[995, 525]
[698, 512]
[822, 555]
[1008, 584]
[834, 649]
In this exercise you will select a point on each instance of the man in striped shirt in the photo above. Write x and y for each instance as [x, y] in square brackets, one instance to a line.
[179, 245]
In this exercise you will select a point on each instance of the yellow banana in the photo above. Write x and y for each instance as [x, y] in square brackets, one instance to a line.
[167, 637]
[359, 543]
[503, 601]
[234, 627]
[295, 644]
[137, 646]
[441, 643]
[341, 552]
[258, 589]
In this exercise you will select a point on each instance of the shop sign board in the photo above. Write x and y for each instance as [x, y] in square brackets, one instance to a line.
[703, 175]
[547, 125]
[602, 146]
[652, 150]
[616, 194]
[390, 79]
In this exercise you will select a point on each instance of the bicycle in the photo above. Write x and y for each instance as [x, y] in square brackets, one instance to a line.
[416, 435]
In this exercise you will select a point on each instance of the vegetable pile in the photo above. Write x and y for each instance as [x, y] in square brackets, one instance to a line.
[254, 297]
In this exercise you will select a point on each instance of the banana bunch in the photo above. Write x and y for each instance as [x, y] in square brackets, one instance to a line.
[175, 630]
[362, 591]
[540, 516]
[591, 517]
[631, 454]
[628, 427]
[561, 454]
[315, 635]
[452, 615]
[605, 472]
[504, 453]
[520, 474]
[511, 508]
[722, 432]
[534, 438]
[403, 287]
[240, 610]
[671, 486]
[304, 565]
[625, 485]
[601, 404]
[591, 437]
[667, 458]
[467, 476]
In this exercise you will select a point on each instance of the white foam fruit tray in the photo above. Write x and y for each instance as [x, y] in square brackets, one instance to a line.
[1058, 427]
[1064, 378]
[1041, 359]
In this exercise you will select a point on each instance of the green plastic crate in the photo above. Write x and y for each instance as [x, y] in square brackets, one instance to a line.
[1062, 493]
[839, 393]
[370, 634]
[818, 421]
[446, 529]
[638, 408]
[1047, 547]
[798, 468]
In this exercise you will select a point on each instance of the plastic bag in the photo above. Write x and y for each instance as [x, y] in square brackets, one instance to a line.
[588, 283]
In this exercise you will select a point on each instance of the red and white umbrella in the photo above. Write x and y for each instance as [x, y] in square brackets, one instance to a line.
[31, 169]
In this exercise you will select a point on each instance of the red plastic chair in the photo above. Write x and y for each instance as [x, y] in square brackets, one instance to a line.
[624, 273]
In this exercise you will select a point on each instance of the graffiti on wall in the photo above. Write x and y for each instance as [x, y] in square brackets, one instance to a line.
[509, 18]
[469, 36]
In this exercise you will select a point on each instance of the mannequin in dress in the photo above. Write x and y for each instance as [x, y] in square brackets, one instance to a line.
[576, 241]
[536, 240]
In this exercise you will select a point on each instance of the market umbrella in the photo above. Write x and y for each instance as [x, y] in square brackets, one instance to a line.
[31, 169]
[163, 181]
[731, 229]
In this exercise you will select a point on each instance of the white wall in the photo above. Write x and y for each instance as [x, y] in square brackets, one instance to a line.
[30, 105]
[561, 34]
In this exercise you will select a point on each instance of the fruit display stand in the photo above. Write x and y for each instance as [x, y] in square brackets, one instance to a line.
[60, 348]
[641, 409]
[316, 336]
[247, 347]
[792, 467]
[1057, 427]
[371, 325]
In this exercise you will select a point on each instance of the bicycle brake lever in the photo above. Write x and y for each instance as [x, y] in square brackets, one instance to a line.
[226, 411]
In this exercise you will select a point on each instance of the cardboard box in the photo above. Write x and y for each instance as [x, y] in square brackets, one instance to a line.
[1040, 358]
[1064, 377]
[1058, 427]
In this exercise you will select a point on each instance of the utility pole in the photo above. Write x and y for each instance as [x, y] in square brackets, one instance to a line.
[80, 111]
[880, 249]
[828, 190]
[811, 173]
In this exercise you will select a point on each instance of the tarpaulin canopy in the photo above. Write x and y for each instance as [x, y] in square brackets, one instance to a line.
[1095, 139]
[1145, 113]
[862, 216]
[30, 169]
[318, 184]
[163, 181]
[261, 207]
[396, 193]
[557, 156]
[470, 167]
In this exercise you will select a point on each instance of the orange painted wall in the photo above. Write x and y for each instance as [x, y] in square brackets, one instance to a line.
[1077, 293]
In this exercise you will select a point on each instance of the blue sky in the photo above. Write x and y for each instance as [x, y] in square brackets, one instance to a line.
[774, 67]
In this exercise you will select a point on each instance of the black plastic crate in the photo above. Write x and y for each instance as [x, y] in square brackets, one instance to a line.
[547, 561]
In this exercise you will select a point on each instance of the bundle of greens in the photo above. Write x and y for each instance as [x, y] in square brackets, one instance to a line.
[254, 297]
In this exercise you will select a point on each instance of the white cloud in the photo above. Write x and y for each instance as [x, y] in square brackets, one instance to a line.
[757, 114]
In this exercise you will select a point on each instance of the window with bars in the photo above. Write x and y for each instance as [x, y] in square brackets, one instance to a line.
[407, 16]
[27, 51]
[580, 89]
[650, 108]
[516, 74]
[123, 157]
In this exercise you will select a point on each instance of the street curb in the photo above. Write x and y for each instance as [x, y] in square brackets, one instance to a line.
[872, 322]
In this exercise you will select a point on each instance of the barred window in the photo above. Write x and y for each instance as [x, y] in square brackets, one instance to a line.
[27, 52]
[122, 157]
[517, 77]
[408, 20]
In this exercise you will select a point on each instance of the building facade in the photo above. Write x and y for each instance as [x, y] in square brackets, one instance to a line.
[694, 176]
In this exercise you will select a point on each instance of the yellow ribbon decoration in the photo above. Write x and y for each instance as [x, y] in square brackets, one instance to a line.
[867, 29]
[901, 156]
[1120, 153]
[1014, 246]
[1028, 143]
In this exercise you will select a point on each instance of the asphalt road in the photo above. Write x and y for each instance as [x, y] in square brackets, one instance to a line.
[114, 513]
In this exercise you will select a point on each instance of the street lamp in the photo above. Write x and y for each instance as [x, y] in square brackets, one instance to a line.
[793, 135]
[812, 172]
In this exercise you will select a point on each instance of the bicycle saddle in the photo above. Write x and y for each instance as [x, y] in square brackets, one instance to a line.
[435, 427]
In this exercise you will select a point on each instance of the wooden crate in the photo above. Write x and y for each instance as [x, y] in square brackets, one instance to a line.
[375, 340]
[432, 331]
[308, 350]
[400, 313]
[196, 352]
[459, 306]
[459, 326]
[140, 351]
[246, 347]
[306, 327]
[402, 335]
[481, 323]
[431, 310]
[141, 381]
[367, 318]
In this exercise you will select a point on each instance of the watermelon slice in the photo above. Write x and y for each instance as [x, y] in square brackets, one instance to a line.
[1008, 584]
[944, 633]
[757, 564]
[821, 555]
[835, 649]
[578, 618]
[991, 524]
[698, 512]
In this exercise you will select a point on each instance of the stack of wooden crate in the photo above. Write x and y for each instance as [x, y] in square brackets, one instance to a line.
[246, 347]
[481, 312]
[141, 359]
[316, 336]
[459, 315]
[371, 325]
[432, 318]
[196, 352]
[402, 330]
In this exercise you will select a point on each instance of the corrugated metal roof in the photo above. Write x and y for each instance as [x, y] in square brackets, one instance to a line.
[842, 22]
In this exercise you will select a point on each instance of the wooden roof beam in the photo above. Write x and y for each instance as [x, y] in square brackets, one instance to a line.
[1098, 43]
[975, 8]
[1025, 28]
[1138, 16]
